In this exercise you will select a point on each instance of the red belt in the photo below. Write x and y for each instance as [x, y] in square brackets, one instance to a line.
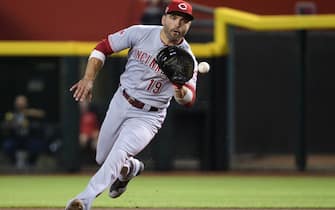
[136, 103]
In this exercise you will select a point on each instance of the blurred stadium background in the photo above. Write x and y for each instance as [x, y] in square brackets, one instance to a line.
[267, 103]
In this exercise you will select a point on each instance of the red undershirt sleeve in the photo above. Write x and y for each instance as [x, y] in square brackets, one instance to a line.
[104, 47]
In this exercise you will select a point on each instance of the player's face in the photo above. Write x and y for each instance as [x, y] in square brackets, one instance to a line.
[175, 26]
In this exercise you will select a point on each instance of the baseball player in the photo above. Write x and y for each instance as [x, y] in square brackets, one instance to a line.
[139, 106]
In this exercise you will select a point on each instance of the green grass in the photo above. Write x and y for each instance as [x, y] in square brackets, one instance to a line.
[176, 191]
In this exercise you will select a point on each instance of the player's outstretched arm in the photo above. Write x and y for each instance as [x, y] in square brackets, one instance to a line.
[83, 88]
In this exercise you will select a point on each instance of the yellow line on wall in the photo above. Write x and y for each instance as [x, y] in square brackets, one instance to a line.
[222, 18]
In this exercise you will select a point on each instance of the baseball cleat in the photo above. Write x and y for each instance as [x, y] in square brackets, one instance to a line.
[119, 187]
[75, 204]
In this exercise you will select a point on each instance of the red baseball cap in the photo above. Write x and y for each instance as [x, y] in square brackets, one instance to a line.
[180, 7]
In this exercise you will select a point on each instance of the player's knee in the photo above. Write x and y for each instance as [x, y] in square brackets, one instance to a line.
[99, 159]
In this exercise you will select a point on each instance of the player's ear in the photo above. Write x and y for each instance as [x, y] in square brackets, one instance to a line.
[163, 19]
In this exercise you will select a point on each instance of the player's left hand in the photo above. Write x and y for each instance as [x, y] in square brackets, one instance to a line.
[176, 63]
[82, 90]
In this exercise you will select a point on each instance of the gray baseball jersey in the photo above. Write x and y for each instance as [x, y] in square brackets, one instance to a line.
[142, 77]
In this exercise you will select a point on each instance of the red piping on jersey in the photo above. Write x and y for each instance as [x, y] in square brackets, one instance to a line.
[104, 47]
[192, 89]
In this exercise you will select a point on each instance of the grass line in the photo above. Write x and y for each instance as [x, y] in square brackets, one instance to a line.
[176, 191]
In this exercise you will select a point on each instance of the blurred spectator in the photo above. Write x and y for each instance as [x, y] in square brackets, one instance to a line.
[152, 15]
[89, 129]
[23, 133]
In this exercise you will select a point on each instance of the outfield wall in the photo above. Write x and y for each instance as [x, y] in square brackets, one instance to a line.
[227, 123]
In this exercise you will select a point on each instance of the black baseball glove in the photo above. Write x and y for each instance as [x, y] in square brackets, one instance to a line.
[176, 63]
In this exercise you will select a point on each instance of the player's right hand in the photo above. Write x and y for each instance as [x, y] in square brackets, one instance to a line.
[179, 91]
[82, 90]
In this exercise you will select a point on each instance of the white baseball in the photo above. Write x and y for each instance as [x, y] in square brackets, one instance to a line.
[203, 67]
